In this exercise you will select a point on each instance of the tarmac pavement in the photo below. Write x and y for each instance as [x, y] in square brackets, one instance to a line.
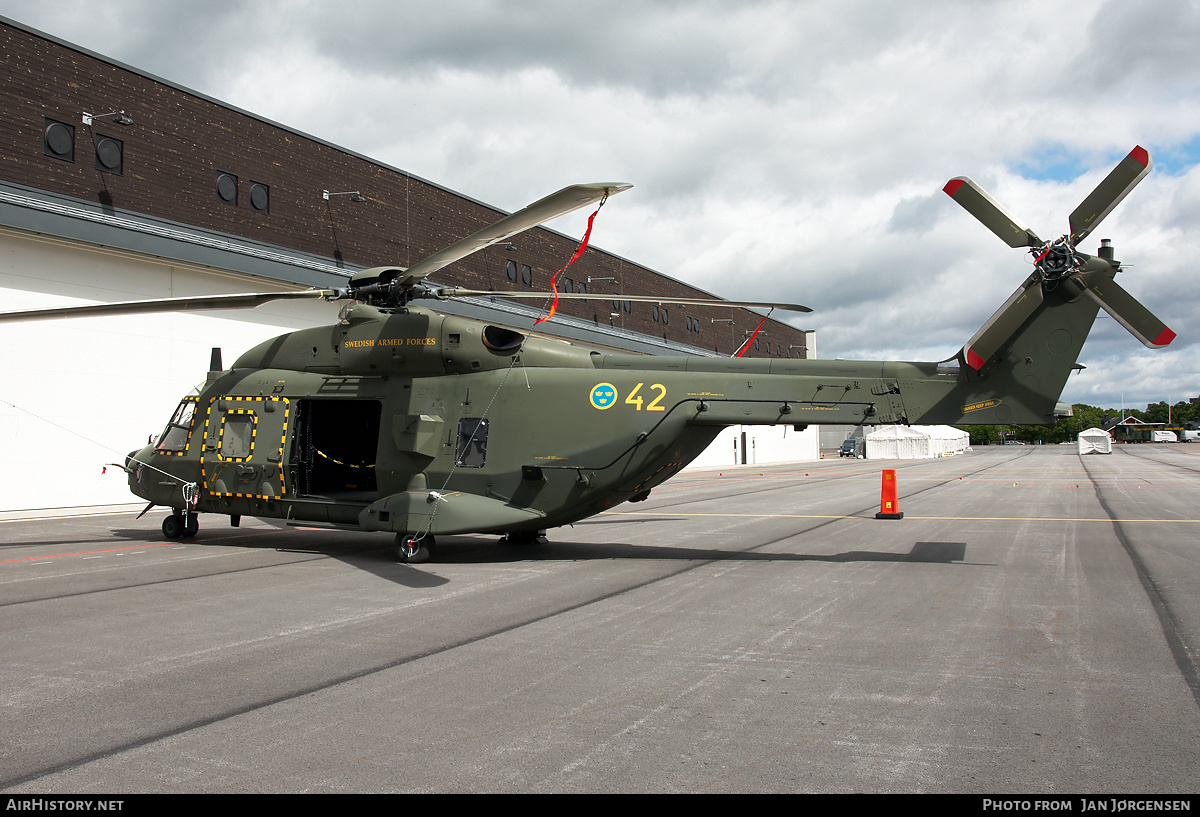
[1032, 625]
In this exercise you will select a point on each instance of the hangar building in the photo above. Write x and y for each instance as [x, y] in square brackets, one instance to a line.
[116, 185]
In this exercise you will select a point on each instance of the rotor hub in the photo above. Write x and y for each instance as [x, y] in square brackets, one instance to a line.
[1055, 261]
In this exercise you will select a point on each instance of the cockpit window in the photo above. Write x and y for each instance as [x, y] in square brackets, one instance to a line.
[174, 438]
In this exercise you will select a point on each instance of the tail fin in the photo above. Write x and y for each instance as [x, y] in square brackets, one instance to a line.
[1016, 366]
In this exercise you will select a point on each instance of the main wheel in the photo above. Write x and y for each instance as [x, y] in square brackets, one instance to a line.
[413, 550]
[172, 527]
[193, 525]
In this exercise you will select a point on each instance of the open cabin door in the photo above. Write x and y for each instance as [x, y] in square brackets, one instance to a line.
[334, 448]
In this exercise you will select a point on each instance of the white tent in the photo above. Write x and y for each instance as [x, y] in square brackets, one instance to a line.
[1095, 441]
[947, 440]
[916, 442]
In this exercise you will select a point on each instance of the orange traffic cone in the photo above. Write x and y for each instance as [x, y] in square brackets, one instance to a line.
[889, 506]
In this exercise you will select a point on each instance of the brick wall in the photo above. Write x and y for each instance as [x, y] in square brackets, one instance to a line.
[180, 144]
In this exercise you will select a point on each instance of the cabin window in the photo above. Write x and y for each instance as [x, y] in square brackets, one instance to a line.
[175, 436]
[471, 450]
[237, 435]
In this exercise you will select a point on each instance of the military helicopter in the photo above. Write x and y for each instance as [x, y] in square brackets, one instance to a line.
[401, 419]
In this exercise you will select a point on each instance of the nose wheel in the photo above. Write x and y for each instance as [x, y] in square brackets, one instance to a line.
[175, 527]
[414, 550]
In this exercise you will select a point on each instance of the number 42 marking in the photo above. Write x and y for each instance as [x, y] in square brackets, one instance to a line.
[634, 399]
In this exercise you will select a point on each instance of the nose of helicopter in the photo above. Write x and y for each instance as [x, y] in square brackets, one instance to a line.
[135, 470]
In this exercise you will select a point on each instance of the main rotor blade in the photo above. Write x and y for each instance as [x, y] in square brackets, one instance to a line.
[1108, 194]
[556, 204]
[1127, 310]
[1003, 324]
[189, 304]
[459, 292]
[975, 200]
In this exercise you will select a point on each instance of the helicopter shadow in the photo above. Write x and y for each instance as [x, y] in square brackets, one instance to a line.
[375, 554]
[458, 551]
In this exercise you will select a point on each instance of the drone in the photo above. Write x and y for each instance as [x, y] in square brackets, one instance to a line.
[401, 419]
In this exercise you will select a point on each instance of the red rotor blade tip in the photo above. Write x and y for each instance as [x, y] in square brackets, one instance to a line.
[974, 360]
[1164, 338]
[952, 186]
[1140, 155]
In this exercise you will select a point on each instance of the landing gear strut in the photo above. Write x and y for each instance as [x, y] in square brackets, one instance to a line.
[414, 550]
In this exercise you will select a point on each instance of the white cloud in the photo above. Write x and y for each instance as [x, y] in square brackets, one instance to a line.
[779, 149]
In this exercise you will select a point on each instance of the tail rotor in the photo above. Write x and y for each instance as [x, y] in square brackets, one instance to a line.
[1057, 263]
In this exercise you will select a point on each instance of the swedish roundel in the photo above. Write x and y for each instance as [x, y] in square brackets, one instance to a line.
[603, 395]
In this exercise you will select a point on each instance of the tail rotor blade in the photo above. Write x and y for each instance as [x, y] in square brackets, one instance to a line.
[1004, 324]
[1108, 194]
[1127, 310]
[975, 200]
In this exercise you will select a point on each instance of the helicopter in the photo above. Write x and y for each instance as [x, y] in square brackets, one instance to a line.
[401, 419]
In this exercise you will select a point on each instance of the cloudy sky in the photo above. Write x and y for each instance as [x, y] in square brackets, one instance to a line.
[792, 151]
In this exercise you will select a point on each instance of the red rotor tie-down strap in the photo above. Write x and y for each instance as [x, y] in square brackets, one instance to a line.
[752, 337]
[554, 278]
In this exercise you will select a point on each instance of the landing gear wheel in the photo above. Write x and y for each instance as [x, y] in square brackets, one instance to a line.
[173, 527]
[413, 550]
[192, 526]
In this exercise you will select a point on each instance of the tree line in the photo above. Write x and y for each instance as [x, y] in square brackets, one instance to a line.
[1066, 429]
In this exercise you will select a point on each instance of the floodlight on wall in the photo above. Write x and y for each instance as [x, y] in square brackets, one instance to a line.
[120, 117]
[353, 194]
[722, 320]
[614, 280]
